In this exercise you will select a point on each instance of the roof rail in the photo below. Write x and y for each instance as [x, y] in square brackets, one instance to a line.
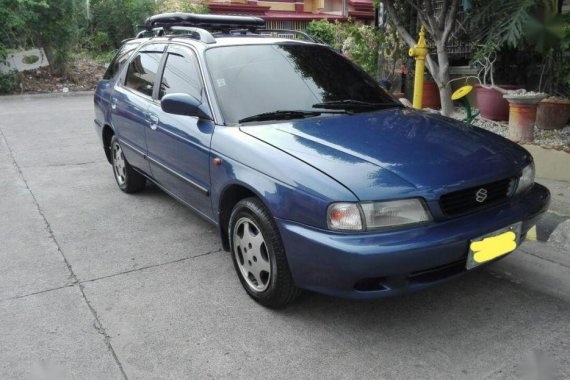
[195, 33]
[264, 32]
[304, 35]
[207, 22]
[201, 27]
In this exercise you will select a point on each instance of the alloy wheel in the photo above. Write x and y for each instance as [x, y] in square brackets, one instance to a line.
[119, 164]
[251, 254]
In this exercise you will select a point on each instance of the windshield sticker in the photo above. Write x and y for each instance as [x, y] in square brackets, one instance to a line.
[221, 82]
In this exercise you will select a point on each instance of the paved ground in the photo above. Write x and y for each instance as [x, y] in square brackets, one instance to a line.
[96, 284]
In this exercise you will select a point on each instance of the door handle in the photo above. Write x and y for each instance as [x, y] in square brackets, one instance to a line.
[114, 104]
[153, 121]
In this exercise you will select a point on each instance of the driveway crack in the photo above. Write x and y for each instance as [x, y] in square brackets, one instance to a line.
[152, 266]
[75, 280]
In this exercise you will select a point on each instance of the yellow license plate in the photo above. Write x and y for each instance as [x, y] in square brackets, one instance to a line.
[493, 245]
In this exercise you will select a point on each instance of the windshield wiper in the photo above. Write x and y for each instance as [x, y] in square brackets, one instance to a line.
[352, 104]
[283, 115]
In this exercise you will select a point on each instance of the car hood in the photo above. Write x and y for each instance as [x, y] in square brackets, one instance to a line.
[396, 152]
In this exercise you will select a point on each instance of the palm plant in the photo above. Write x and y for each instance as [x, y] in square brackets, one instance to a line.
[522, 24]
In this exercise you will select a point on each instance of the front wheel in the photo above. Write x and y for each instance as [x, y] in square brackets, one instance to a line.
[258, 255]
[128, 179]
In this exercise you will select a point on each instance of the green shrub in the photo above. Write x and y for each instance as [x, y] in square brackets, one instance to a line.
[99, 42]
[30, 59]
[118, 19]
[188, 6]
[362, 46]
[323, 31]
[376, 51]
[8, 82]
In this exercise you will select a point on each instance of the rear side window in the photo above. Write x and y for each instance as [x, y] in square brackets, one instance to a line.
[142, 72]
[120, 59]
[181, 75]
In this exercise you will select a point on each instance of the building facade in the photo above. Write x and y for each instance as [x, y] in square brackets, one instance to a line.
[296, 14]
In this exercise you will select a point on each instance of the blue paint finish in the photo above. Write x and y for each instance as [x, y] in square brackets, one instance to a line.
[130, 120]
[396, 153]
[298, 168]
[333, 262]
[289, 188]
[102, 105]
[181, 144]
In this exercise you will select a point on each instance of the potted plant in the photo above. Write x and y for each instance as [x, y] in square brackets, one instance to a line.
[521, 104]
[430, 95]
[533, 25]
[489, 96]
[522, 114]
[554, 112]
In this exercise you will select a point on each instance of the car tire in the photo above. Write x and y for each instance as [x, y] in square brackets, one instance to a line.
[259, 256]
[128, 179]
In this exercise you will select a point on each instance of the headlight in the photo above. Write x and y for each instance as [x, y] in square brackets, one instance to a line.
[526, 179]
[394, 213]
[375, 215]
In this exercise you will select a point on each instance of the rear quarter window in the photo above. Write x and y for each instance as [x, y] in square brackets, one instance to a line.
[120, 59]
[142, 72]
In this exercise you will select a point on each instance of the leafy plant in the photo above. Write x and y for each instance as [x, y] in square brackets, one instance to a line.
[362, 45]
[8, 82]
[99, 42]
[119, 18]
[513, 23]
[532, 26]
[18, 20]
[324, 31]
[484, 58]
[182, 6]
[58, 32]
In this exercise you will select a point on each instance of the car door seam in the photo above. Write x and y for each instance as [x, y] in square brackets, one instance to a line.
[174, 172]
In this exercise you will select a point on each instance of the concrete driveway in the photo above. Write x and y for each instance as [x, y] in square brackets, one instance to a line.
[97, 284]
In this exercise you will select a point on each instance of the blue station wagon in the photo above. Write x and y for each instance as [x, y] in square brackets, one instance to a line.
[316, 177]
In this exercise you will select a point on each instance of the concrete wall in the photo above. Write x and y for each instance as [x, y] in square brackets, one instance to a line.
[550, 163]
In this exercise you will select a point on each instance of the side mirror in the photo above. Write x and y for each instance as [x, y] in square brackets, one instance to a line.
[183, 104]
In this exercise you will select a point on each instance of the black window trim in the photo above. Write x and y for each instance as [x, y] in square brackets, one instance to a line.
[162, 67]
[146, 48]
[186, 48]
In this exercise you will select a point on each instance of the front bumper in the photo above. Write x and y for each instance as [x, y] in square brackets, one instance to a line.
[376, 264]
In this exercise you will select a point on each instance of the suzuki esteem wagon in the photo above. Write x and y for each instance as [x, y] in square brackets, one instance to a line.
[315, 176]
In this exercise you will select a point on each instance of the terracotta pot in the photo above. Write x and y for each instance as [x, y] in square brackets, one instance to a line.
[521, 122]
[553, 114]
[430, 97]
[491, 104]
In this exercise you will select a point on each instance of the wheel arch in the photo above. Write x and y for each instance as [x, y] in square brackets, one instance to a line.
[106, 136]
[229, 197]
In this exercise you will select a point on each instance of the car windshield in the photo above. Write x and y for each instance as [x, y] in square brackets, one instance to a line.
[256, 79]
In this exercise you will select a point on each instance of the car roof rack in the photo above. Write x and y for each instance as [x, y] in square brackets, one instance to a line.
[208, 22]
[195, 33]
[284, 33]
[201, 27]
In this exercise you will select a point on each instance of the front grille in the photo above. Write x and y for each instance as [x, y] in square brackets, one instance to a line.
[475, 198]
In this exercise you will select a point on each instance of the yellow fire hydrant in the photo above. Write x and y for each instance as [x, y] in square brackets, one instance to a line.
[419, 52]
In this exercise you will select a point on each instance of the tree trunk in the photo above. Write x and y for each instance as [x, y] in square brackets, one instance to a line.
[441, 77]
[446, 102]
[439, 24]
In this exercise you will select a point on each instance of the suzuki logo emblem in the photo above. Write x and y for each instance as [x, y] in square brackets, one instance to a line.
[481, 195]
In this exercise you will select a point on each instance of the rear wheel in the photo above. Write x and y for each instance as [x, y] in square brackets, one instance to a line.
[129, 180]
[258, 255]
